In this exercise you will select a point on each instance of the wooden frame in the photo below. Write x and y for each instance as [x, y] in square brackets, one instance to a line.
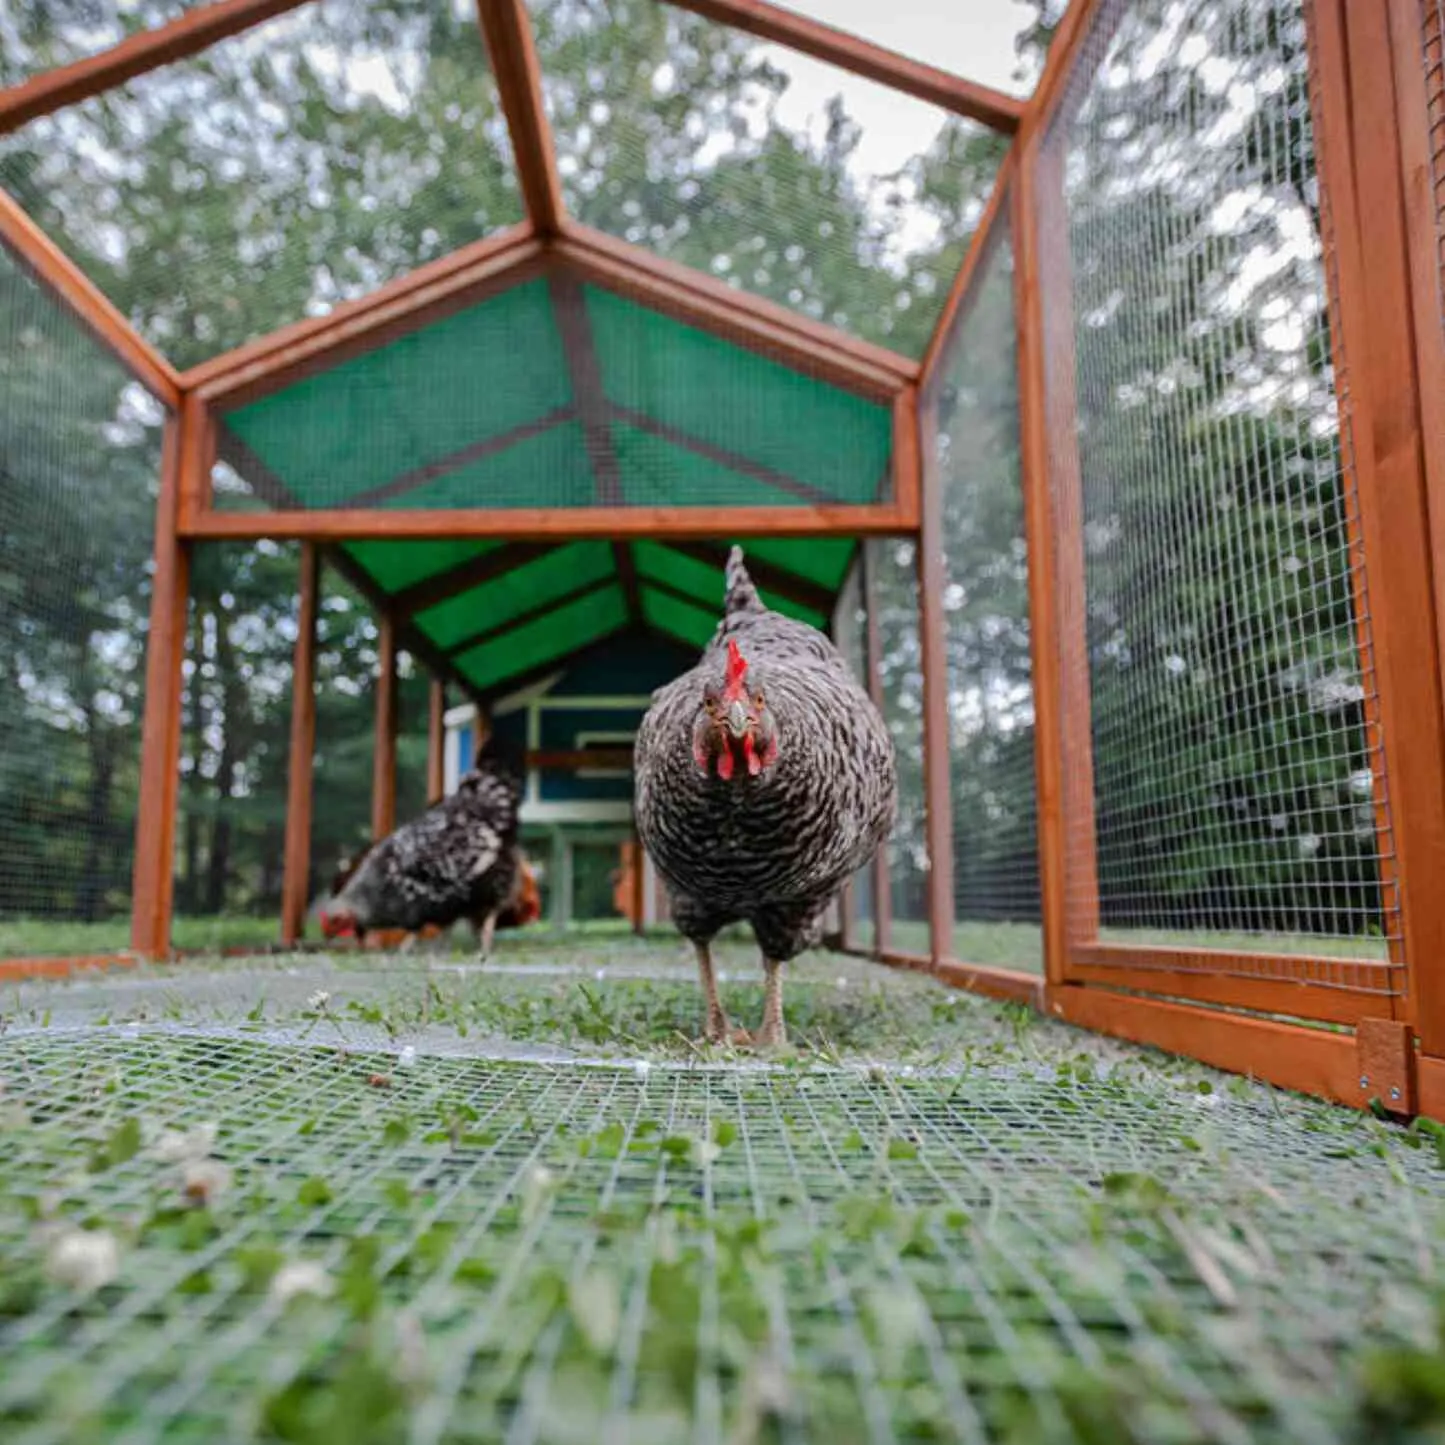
[296, 875]
[383, 763]
[436, 742]
[1361, 174]
[86, 302]
[992, 108]
[185, 460]
[178, 39]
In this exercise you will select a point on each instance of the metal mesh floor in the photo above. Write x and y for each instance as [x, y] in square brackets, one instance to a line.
[232, 1210]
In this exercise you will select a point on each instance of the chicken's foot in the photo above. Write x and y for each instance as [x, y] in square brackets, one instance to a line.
[486, 932]
[717, 1031]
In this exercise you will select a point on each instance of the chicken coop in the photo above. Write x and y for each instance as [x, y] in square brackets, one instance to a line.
[366, 364]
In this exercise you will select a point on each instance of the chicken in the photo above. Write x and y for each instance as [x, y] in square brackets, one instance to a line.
[522, 908]
[460, 859]
[765, 779]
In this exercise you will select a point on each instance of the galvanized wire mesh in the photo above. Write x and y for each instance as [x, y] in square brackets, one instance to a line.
[894, 579]
[698, 143]
[1432, 59]
[1227, 630]
[970, 422]
[255, 1235]
[79, 472]
[300, 164]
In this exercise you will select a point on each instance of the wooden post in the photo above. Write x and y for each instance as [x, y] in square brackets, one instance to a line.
[1053, 525]
[934, 650]
[1371, 197]
[873, 648]
[295, 888]
[436, 742]
[185, 464]
[383, 766]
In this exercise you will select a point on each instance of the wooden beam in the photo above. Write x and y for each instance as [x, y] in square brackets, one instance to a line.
[873, 666]
[501, 244]
[186, 455]
[1362, 183]
[409, 637]
[1062, 62]
[980, 249]
[906, 461]
[787, 337]
[472, 572]
[494, 630]
[17, 970]
[733, 461]
[989, 107]
[296, 875]
[383, 764]
[933, 646]
[811, 595]
[584, 368]
[1311, 1060]
[508, 34]
[185, 36]
[553, 524]
[84, 299]
[436, 741]
[466, 456]
[370, 324]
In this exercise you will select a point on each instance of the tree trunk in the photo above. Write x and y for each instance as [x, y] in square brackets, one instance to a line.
[91, 888]
[218, 873]
[190, 888]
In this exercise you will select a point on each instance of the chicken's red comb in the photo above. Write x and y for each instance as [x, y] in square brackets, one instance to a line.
[737, 663]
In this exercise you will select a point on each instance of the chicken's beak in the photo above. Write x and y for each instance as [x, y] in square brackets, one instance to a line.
[737, 719]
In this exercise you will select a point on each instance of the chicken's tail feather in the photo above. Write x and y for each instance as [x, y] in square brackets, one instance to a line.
[741, 595]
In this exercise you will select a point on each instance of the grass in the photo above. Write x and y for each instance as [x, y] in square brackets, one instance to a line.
[234, 1206]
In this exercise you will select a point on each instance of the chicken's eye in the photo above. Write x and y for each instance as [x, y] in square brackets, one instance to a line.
[757, 700]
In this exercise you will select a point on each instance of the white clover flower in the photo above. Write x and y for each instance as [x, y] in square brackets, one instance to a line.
[83, 1259]
[318, 1001]
[297, 1277]
[204, 1181]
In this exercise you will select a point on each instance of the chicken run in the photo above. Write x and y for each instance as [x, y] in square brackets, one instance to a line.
[833, 673]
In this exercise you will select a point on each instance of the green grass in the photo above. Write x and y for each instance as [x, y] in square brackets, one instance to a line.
[1047, 1237]
[44, 937]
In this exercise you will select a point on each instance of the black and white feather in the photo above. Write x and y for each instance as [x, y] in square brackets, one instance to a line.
[458, 860]
[771, 850]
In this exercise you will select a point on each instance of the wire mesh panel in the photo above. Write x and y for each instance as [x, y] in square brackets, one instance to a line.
[79, 472]
[894, 579]
[815, 189]
[1432, 59]
[1239, 801]
[970, 416]
[300, 164]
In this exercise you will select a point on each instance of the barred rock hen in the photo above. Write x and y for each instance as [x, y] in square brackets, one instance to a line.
[765, 779]
[458, 860]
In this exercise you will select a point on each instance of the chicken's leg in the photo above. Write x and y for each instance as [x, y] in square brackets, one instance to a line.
[717, 1019]
[486, 931]
[409, 943]
[772, 1034]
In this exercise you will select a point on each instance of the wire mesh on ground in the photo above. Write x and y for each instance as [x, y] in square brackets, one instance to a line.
[894, 582]
[1230, 670]
[557, 394]
[286, 169]
[697, 142]
[971, 415]
[220, 1225]
[79, 472]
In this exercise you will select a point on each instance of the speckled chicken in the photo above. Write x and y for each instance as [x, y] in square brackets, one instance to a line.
[765, 780]
[458, 860]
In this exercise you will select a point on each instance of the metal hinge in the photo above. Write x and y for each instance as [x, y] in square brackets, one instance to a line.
[1385, 1051]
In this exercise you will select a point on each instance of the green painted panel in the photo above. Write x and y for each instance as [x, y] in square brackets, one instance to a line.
[733, 399]
[655, 473]
[536, 643]
[552, 575]
[395, 565]
[692, 625]
[550, 469]
[705, 583]
[423, 397]
[824, 560]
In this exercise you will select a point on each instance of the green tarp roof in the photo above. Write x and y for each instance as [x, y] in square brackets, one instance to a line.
[557, 393]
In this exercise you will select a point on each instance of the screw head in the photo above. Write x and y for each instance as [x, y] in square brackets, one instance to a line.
[1364, 1081]
[1394, 1093]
